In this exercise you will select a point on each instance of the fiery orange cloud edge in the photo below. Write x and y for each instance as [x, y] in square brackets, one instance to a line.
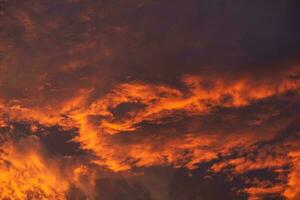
[27, 173]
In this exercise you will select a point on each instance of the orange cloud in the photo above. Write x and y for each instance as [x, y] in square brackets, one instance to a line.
[162, 101]
[98, 124]
[96, 119]
[292, 192]
[122, 90]
[261, 191]
[26, 174]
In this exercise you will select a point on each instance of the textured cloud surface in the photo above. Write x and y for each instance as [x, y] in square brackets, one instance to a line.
[149, 100]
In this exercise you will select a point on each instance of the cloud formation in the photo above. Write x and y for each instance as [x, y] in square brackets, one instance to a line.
[149, 100]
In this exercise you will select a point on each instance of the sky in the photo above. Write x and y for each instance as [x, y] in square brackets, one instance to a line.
[149, 100]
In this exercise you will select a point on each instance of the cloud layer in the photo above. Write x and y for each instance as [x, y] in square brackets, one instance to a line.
[149, 99]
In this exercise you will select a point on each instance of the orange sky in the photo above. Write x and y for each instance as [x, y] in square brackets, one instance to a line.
[151, 100]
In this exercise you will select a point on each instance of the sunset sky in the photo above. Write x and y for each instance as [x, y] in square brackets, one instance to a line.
[149, 100]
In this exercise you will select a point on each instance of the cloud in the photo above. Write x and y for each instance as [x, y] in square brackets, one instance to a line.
[140, 97]
[99, 127]
[26, 173]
